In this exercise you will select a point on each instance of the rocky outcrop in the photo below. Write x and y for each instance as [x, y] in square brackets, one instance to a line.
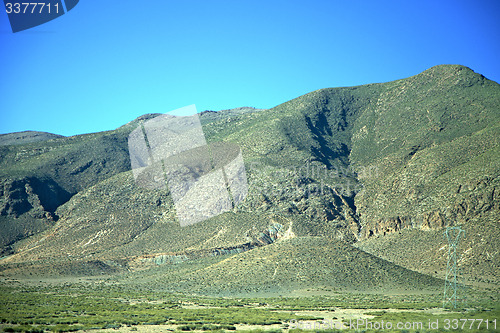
[27, 207]
[477, 198]
[39, 198]
[266, 237]
[270, 235]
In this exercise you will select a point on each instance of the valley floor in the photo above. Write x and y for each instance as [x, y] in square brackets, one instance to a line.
[101, 305]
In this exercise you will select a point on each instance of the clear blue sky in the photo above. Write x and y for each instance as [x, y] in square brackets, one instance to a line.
[106, 62]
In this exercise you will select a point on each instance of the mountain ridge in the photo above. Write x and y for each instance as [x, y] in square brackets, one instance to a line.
[356, 164]
[19, 138]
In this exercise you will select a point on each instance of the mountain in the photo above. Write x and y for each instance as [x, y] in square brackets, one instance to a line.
[20, 138]
[372, 173]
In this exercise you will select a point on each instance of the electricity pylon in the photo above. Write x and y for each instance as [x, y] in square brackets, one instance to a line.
[451, 287]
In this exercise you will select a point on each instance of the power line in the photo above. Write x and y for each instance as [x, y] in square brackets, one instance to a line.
[451, 287]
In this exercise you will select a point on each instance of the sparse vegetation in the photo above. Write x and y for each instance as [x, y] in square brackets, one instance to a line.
[72, 307]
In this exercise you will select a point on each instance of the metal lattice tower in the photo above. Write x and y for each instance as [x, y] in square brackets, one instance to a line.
[451, 287]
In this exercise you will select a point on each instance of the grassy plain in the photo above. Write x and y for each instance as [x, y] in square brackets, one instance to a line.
[100, 306]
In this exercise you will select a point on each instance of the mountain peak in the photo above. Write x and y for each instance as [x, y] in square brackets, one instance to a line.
[136, 121]
[449, 69]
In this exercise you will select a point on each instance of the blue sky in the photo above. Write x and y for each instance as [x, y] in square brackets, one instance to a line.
[105, 63]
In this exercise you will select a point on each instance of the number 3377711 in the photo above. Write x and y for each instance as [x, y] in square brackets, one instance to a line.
[30, 7]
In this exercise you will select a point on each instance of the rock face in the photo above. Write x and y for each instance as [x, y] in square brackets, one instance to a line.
[266, 237]
[27, 207]
[39, 198]
[467, 202]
